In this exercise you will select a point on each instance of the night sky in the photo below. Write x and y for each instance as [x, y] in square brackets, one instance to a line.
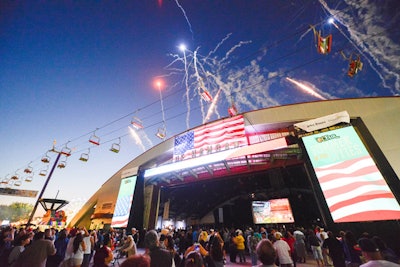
[73, 69]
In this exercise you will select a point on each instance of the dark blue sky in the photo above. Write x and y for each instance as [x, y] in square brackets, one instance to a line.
[70, 67]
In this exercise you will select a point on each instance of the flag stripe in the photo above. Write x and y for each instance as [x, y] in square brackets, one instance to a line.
[228, 131]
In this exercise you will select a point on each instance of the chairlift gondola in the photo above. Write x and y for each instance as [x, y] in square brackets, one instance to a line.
[206, 96]
[43, 173]
[28, 169]
[62, 164]
[5, 181]
[15, 176]
[355, 64]
[94, 139]
[45, 158]
[161, 133]
[232, 110]
[85, 156]
[137, 123]
[115, 147]
[29, 179]
[66, 151]
[17, 183]
[324, 44]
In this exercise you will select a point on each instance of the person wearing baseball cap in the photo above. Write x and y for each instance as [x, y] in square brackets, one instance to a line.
[372, 255]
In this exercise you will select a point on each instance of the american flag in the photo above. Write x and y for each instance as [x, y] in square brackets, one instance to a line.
[228, 131]
[353, 186]
[356, 191]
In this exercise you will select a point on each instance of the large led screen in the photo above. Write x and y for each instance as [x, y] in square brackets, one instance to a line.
[353, 187]
[124, 202]
[272, 211]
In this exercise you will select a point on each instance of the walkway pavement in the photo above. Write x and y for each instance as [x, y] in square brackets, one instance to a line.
[310, 262]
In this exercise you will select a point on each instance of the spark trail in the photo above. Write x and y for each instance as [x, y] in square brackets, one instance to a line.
[136, 137]
[215, 74]
[212, 107]
[306, 88]
[186, 17]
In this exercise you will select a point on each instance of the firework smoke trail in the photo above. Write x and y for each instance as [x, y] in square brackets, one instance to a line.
[250, 84]
[187, 19]
[234, 48]
[201, 85]
[212, 107]
[136, 137]
[218, 45]
[306, 88]
[376, 48]
[187, 89]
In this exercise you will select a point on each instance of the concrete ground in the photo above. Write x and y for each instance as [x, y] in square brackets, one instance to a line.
[310, 262]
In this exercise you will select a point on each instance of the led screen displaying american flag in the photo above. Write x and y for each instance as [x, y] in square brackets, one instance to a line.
[353, 187]
[124, 202]
[210, 138]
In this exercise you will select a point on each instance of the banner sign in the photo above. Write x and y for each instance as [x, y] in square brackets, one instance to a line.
[18, 193]
[323, 122]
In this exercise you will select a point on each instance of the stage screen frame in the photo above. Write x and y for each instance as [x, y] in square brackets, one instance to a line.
[272, 210]
[349, 179]
[124, 202]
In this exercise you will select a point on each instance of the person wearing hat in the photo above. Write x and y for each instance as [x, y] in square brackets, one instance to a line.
[282, 250]
[372, 255]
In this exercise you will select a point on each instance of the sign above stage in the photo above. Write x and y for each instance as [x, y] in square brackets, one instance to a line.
[18, 193]
[323, 122]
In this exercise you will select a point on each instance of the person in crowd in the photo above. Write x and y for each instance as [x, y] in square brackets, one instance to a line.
[289, 238]
[216, 251]
[300, 246]
[159, 257]
[372, 255]
[19, 247]
[136, 261]
[203, 237]
[232, 248]
[6, 239]
[135, 235]
[48, 234]
[35, 255]
[103, 255]
[252, 241]
[78, 248]
[93, 240]
[334, 249]
[240, 246]
[266, 253]
[282, 250]
[161, 240]
[352, 254]
[322, 235]
[129, 248]
[315, 244]
[89, 243]
[169, 245]
[387, 253]
[194, 259]
[60, 244]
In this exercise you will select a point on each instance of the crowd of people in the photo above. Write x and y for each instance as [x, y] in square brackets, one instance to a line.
[197, 247]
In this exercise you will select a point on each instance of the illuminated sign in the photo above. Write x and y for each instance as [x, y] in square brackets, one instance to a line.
[353, 187]
[124, 202]
[217, 157]
[272, 211]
